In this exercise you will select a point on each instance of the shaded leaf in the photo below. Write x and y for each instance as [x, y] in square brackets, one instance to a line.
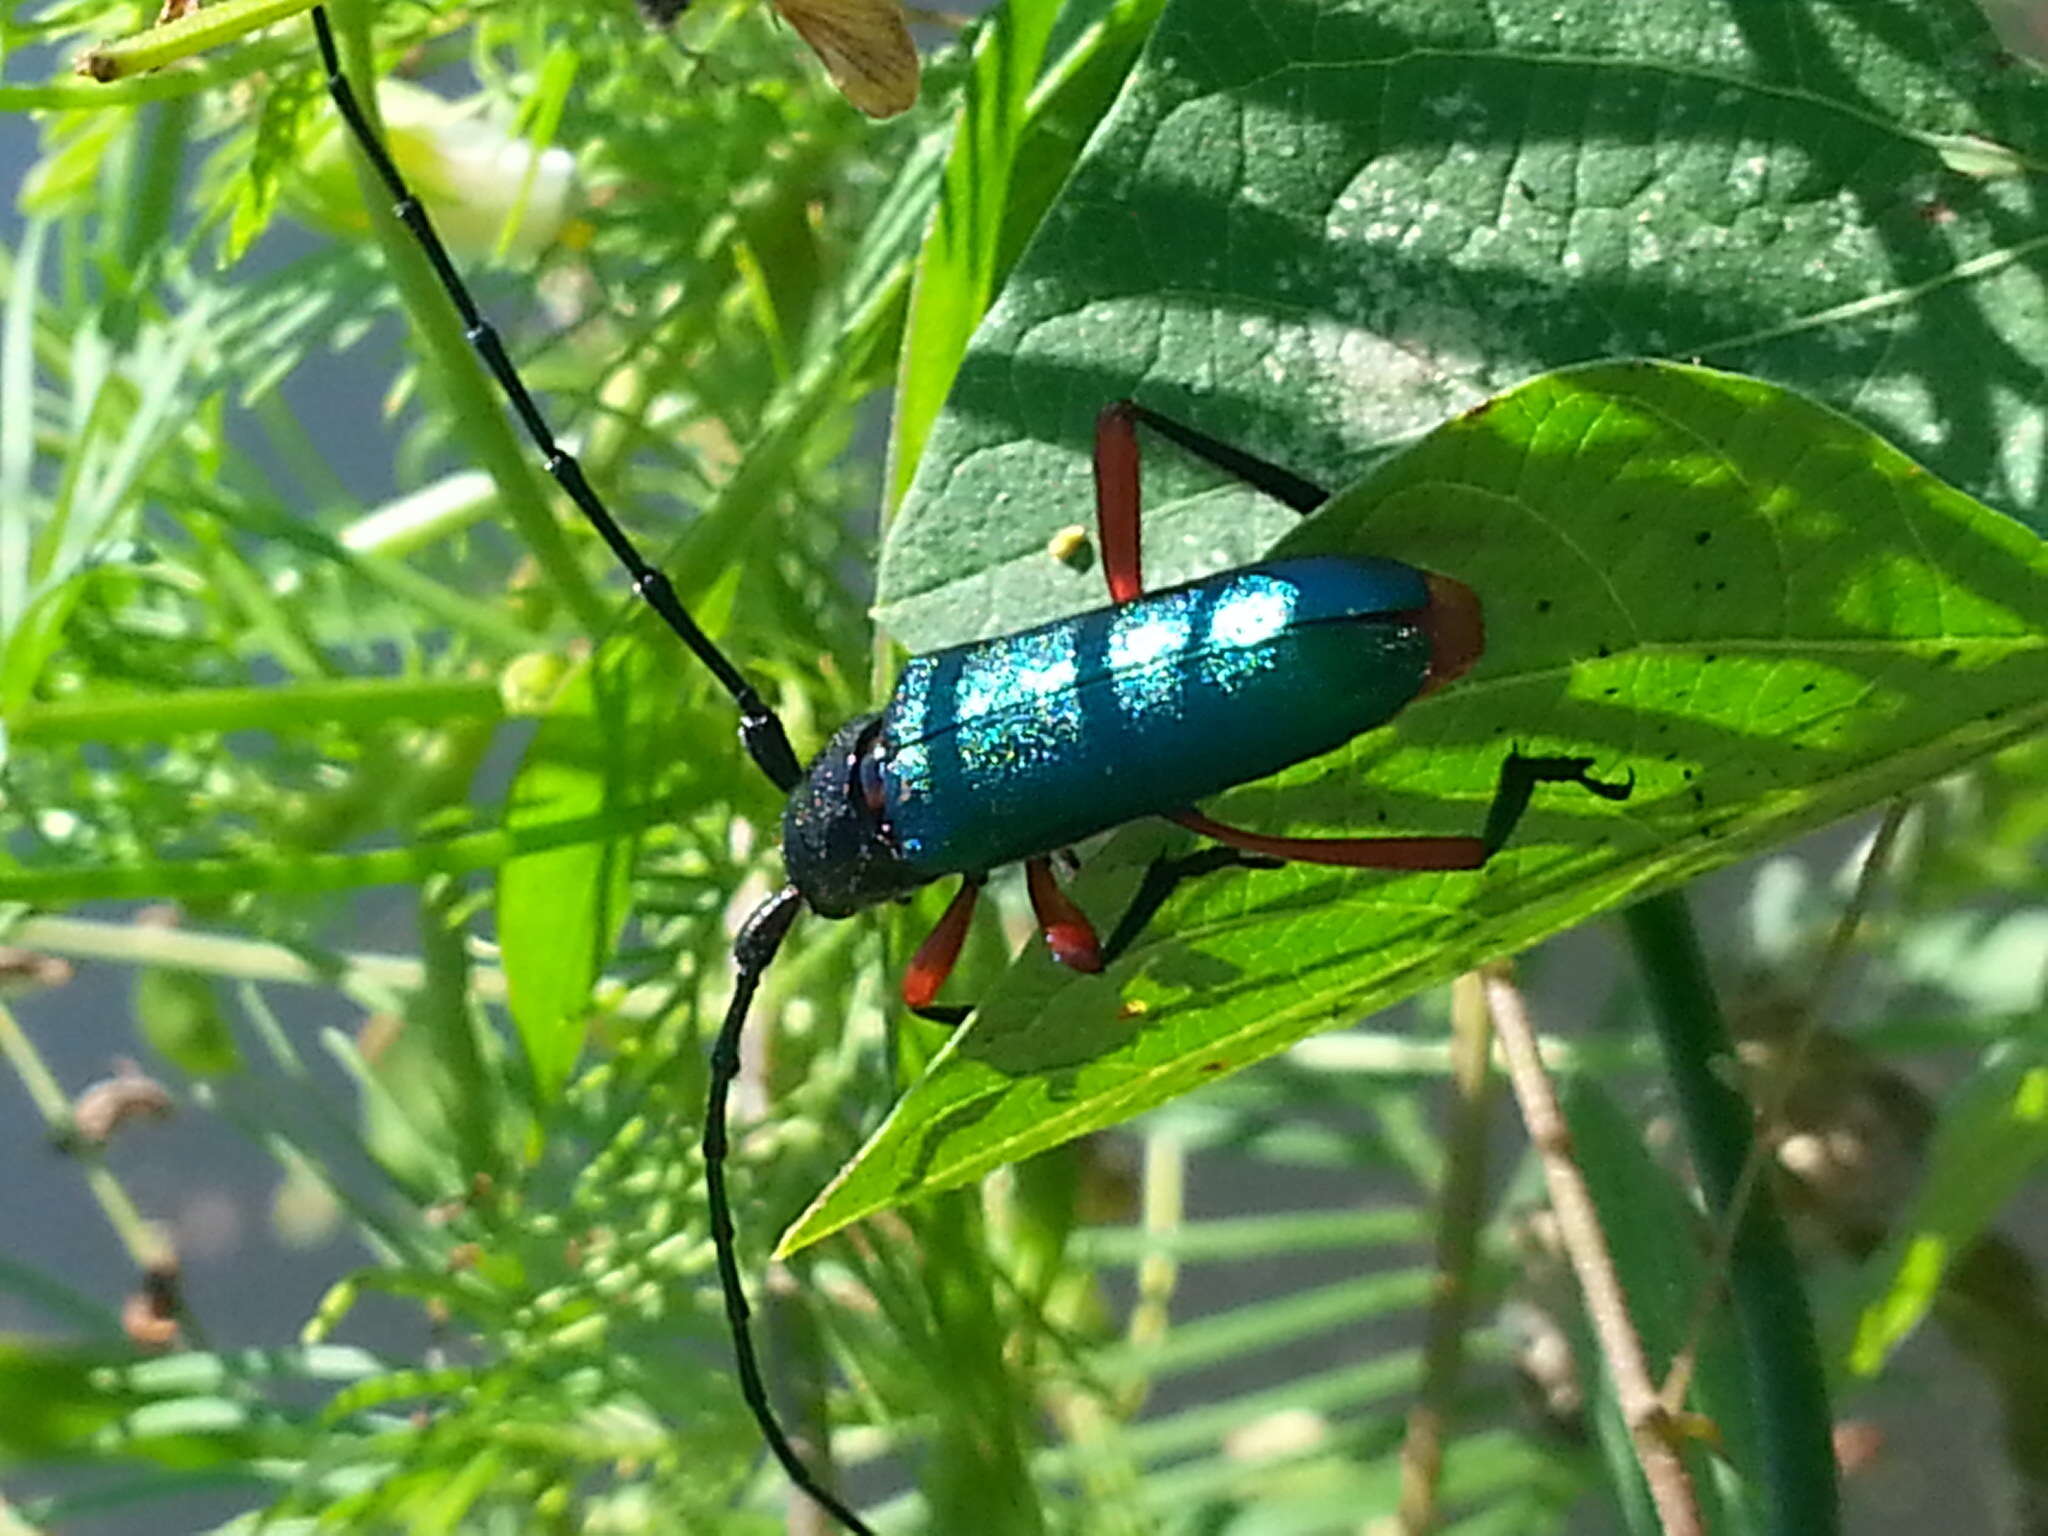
[1317, 232]
[957, 269]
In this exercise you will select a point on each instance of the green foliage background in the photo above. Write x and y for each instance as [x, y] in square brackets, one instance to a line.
[1324, 231]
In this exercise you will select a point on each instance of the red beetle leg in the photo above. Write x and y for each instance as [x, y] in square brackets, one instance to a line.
[933, 962]
[1068, 933]
[1347, 852]
[1116, 501]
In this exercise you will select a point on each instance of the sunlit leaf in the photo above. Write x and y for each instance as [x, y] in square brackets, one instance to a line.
[1756, 607]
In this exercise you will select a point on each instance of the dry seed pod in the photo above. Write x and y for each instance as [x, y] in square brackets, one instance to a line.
[104, 1107]
[864, 46]
[150, 1316]
[26, 970]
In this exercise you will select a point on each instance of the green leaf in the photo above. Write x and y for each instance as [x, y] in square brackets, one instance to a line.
[74, 1402]
[1317, 232]
[275, 149]
[1248, 1238]
[1222, 1337]
[56, 1399]
[1765, 614]
[560, 911]
[1993, 1138]
[181, 1017]
[956, 270]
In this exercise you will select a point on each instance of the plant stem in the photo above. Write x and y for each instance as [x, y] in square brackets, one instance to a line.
[147, 208]
[1772, 1318]
[1578, 1224]
[189, 879]
[145, 1246]
[1798, 1033]
[1461, 1203]
[303, 706]
[1158, 1273]
[196, 77]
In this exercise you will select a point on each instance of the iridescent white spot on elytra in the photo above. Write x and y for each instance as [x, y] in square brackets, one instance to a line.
[1049, 675]
[1250, 610]
[908, 770]
[1247, 615]
[984, 679]
[1144, 643]
[1146, 636]
[1024, 684]
[913, 697]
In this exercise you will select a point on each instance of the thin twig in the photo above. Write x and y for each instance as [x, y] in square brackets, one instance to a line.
[1460, 1204]
[1800, 1031]
[1842, 941]
[377, 980]
[1158, 1273]
[144, 1241]
[1650, 1425]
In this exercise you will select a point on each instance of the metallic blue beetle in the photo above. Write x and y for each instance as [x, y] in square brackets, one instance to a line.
[1003, 749]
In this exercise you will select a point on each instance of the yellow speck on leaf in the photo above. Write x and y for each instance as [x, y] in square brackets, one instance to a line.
[1066, 545]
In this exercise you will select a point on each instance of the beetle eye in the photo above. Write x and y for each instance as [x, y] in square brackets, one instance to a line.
[867, 779]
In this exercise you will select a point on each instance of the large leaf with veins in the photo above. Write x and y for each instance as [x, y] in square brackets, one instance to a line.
[1752, 604]
[1318, 229]
[1322, 231]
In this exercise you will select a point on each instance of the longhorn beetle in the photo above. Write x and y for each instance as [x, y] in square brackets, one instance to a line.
[1010, 749]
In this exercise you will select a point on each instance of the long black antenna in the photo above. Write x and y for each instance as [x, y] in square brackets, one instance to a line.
[759, 938]
[760, 729]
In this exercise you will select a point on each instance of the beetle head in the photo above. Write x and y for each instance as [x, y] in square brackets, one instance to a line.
[835, 837]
